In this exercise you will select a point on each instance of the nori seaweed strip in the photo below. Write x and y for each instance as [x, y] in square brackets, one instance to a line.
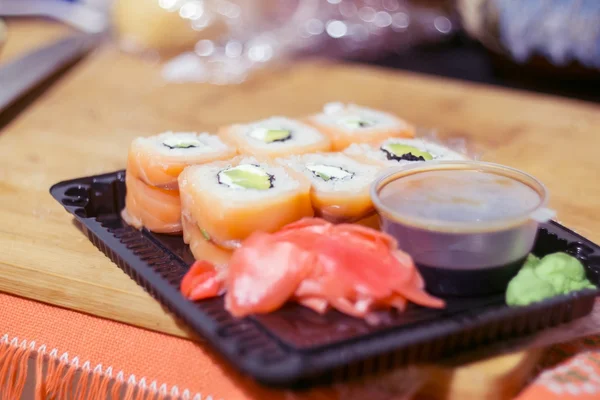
[332, 178]
[404, 157]
[189, 146]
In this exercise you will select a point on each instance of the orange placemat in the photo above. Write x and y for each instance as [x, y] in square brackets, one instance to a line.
[149, 365]
[570, 371]
[137, 358]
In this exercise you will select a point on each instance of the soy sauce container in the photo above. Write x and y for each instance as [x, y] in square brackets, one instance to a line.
[468, 225]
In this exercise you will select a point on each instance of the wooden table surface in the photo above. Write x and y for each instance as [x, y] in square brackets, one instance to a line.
[84, 124]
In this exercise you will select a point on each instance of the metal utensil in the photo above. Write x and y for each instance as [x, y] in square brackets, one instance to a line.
[3, 32]
[20, 76]
[79, 16]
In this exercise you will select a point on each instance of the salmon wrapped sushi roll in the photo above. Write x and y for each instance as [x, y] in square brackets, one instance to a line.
[228, 201]
[339, 185]
[200, 245]
[158, 160]
[275, 137]
[201, 248]
[397, 152]
[348, 124]
[156, 209]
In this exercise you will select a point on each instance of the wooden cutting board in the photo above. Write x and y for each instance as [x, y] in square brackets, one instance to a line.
[84, 124]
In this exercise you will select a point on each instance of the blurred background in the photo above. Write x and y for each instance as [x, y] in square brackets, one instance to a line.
[550, 46]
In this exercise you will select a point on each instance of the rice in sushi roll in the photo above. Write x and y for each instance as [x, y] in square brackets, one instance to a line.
[348, 124]
[156, 209]
[339, 185]
[158, 160]
[398, 152]
[275, 137]
[228, 201]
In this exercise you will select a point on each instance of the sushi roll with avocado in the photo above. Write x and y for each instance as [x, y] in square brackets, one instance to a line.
[275, 137]
[228, 201]
[158, 160]
[397, 152]
[156, 209]
[348, 124]
[339, 185]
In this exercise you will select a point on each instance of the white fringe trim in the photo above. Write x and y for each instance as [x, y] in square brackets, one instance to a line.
[131, 380]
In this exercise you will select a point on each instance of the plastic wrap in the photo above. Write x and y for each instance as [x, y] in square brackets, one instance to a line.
[561, 31]
[222, 41]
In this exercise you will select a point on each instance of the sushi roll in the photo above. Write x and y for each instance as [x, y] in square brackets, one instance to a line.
[201, 248]
[228, 201]
[371, 221]
[156, 209]
[158, 160]
[339, 185]
[348, 124]
[397, 152]
[275, 137]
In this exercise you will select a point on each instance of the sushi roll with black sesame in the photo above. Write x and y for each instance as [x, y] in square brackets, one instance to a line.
[275, 137]
[158, 160]
[348, 124]
[396, 152]
[339, 185]
[228, 201]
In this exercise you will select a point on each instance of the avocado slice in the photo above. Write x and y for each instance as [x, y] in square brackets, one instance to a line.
[271, 135]
[329, 172]
[356, 122]
[205, 234]
[176, 143]
[246, 177]
[323, 176]
[277, 135]
[398, 150]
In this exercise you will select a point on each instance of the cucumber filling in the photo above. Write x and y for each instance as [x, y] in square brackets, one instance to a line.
[246, 176]
[271, 135]
[402, 152]
[181, 143]
[329, 172]
[356, 123]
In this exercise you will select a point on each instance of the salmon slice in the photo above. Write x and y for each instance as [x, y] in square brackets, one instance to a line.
[303, 138]
[158, 210]
[228, 215]
[201, 248]
[372, 222]
[156, 164]
[340, 185]
[380, 126]
[342, 140]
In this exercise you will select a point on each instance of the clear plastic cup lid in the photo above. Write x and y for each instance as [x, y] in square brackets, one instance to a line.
[460, 195]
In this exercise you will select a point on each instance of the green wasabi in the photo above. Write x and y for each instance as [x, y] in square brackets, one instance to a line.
[541, 279]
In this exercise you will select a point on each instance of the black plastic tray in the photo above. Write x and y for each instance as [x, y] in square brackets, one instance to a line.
[295, 345]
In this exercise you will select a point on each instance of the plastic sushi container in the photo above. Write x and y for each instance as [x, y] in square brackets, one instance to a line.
[296, 346]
